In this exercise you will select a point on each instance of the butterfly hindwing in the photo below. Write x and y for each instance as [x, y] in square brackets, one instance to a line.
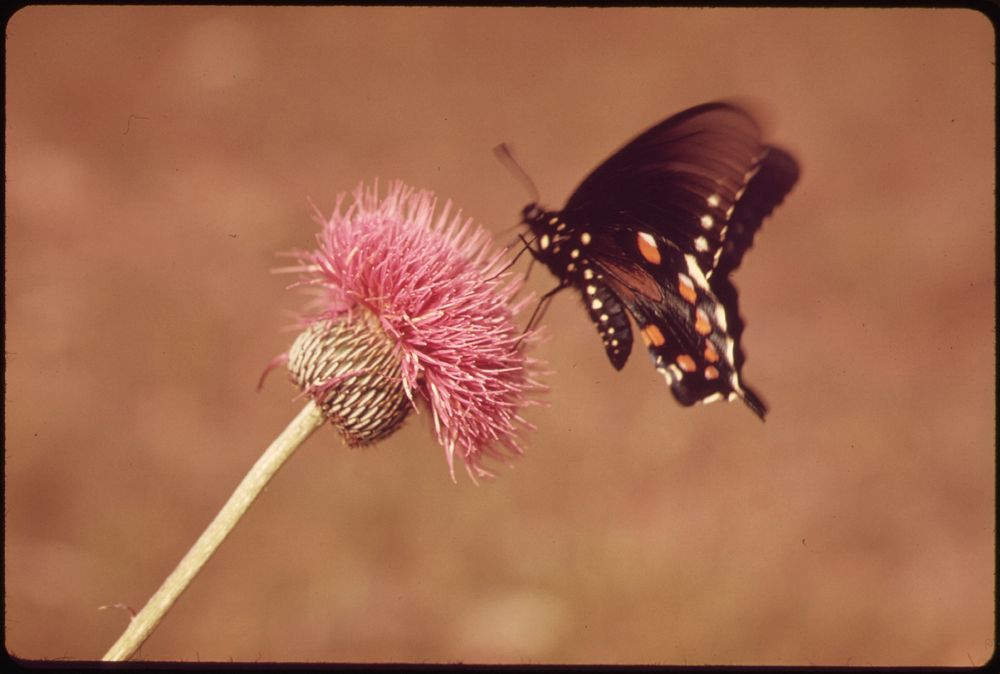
[684, 324]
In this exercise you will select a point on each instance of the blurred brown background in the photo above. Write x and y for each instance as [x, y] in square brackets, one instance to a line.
[157, 158]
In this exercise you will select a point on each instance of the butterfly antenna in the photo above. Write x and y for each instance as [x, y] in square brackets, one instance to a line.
[506, 157]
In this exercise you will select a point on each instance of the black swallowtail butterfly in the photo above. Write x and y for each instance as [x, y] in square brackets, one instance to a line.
[655, 232]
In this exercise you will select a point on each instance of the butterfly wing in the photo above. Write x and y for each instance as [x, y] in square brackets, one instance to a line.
[773, 178]
[687, 179]
[692, 334]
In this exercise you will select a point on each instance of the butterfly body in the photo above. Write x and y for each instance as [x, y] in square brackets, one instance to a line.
[655, 232]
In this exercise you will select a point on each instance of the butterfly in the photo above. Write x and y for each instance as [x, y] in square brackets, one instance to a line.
[653, 234]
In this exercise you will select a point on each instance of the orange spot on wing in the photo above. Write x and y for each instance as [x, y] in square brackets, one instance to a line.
[686, 363]
[648, 249]
[711, 373]
[711, 355]
[652, 335]
[686, 288]
[701, 324]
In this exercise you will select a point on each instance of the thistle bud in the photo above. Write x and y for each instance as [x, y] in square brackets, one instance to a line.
[350, 368]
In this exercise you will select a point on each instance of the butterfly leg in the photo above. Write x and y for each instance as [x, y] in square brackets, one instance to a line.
[541, 307]
[527, 248]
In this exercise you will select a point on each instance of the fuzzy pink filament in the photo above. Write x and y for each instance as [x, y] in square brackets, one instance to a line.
[437, 289]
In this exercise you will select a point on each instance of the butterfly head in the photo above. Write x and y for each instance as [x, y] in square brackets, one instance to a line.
[536, 219]
[532, 214]
[545, 225]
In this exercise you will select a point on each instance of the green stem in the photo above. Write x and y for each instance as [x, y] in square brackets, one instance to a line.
[307, 421]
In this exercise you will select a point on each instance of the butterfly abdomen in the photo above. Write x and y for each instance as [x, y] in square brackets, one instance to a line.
[608, 314]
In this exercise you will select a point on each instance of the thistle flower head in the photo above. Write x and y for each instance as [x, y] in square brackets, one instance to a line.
[413, 311]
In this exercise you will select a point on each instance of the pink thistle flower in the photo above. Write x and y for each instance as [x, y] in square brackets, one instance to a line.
[411, 311]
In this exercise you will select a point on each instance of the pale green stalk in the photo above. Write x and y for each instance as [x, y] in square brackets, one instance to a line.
[142, 625]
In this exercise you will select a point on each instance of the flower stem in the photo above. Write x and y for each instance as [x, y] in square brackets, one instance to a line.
[307, 421]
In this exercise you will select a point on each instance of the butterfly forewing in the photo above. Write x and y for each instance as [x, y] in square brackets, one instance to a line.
[681, 179]
[773, 179]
